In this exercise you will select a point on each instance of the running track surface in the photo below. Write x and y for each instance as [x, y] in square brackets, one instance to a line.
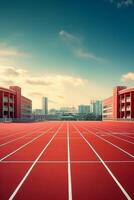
[67, 161]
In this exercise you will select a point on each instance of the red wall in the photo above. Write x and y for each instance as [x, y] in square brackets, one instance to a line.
[17, 101]
[116, 101]
[1, 104]
[132, 105]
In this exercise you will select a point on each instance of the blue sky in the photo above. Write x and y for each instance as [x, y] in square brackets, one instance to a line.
[91, 41]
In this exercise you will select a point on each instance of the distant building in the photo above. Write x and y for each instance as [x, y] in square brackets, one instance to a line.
[96, 107]
[120, 105]
[84, 109]
[67, 110]
[38, 115]
[52, 111]
[37, 111]
[26, 108]
[45, 105]
[13, 105]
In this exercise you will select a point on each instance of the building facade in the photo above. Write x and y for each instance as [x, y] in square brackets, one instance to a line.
[120, 105]
[67, 110]
[37, 111]
[84, 109]
[13, 105]
[96, 107]
[26, 108]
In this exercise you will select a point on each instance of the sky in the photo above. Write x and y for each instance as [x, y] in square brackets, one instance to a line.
[71, 51]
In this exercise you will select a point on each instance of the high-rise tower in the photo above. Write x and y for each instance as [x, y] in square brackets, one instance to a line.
[45, 105]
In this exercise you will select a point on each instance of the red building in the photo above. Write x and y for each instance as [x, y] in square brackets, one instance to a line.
[13, 105]
[120, 105]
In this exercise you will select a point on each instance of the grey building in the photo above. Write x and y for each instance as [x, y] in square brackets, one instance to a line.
[84, 109]
[45, 105]
[96, 107]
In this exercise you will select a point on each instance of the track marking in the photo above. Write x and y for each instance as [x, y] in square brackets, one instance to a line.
[91, 132]
[16, 133]
[11, 134]
[10, 141]
[110, 133]
[116, 133]
[106, 167]
[128, 135]
[61, 161]
[118, 137]
[119, 133]
[69, 166]
[30, 169]
[24, 145]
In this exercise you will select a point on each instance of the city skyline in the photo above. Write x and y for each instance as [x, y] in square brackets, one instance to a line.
[69, 55]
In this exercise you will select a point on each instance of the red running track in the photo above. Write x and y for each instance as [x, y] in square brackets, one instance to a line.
[67, 161]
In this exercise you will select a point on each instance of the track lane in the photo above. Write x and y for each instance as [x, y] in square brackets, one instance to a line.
[49, 180]
[119, 133]
[111, 135]
[127, 191]
[10, 176]
[12, 173]
[79, 151]
[12, 130]
[128, 147]
[26, 131]
[19, 186]
[57, 150]
[49, 176]
[106, 147]
[7, 152]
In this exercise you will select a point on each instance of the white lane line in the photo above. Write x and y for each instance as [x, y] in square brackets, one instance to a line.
[128, 135]
[24, 145]
[110, 133]
[14, 134]
[118, 137]
[91, 132]
[17, 133]
[61, 161]
[69, 166]
[106, 167]
[10, 141]
[118, 134]
[30, 169]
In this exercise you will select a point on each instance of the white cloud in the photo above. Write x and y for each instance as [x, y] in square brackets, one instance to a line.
[6, 61]
[67, 36]
[9, 71]
[9, 51]
[13, 71]
[64, 90]
[122, 3]
[36, 94]
[126, 3]
[37, 81]
[76, 46]
[86, 55]
[128, 77]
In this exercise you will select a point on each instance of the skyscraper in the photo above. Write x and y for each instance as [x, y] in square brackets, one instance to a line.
[45, 105]
[84, 109]
[96, 107]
